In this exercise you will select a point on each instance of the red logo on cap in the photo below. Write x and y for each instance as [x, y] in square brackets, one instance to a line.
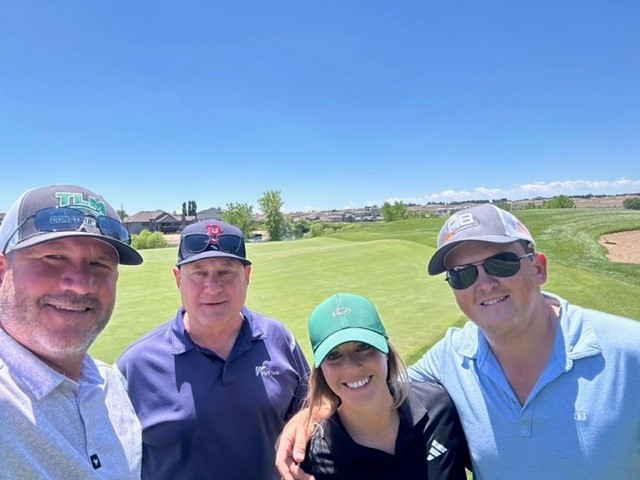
[214, 230]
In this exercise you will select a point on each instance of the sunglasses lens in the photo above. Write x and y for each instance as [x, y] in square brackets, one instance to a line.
[58, 219]
[504, 264]
[461, 278]
[196, 243]
[114, 229]
[229, 243]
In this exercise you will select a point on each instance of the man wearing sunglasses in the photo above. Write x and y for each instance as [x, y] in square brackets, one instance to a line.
[214, 386]
[544, 389]
[64, 415]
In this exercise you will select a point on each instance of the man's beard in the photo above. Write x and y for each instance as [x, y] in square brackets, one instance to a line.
[21, 313]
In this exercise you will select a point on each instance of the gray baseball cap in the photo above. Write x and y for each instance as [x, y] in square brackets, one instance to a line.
[482, 223]
[59, 211]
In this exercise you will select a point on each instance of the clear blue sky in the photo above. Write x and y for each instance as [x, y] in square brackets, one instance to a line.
[335, 103]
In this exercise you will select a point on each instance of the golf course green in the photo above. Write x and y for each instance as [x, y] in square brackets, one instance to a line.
[387, 263]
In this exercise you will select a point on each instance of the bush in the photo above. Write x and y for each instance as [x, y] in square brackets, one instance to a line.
[146, 239]
[559, 201]
[316, 229]
[632, 203]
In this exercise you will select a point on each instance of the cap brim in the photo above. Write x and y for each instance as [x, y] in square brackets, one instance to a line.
[212, 254]
[436, 264]
[349, 335]
[127, 255]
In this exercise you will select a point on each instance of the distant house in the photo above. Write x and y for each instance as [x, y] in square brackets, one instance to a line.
[154, 221]
[368, 218]
[214, 213]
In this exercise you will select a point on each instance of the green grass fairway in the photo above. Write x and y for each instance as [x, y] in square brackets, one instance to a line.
[387, 263]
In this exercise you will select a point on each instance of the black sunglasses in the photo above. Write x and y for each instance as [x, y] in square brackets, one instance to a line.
[505, 264]
[67, 219]
[225, 242]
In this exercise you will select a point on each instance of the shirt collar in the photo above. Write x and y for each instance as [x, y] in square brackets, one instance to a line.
[575, 336]
[39, 377]
[412, 410]
[181, 341]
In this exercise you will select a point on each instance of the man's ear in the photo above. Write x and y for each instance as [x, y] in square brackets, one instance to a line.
[178, 275]
[247, 272]
[540, 262]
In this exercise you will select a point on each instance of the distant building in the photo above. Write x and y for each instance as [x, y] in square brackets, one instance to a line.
[154, 221]
[214, 213]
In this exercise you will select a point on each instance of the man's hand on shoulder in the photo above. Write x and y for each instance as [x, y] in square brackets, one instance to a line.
[292, 443]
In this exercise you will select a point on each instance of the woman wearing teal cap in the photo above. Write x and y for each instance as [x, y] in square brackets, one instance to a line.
[382, 426]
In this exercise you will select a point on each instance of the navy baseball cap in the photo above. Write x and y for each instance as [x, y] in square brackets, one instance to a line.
[482, 223]
[211, 239]
[60, 211]
[344, 318]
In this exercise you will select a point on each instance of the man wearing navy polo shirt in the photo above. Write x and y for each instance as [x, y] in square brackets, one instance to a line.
[214, 386]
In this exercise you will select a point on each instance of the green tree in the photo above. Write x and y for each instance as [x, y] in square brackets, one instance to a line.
[184, 209]
[300, 228]
[121, 213]
[271, 205]
[240, 215]
[397, 211]
[559, 201]
[632, 203]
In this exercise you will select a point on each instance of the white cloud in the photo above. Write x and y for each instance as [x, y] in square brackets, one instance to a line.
[530, 190]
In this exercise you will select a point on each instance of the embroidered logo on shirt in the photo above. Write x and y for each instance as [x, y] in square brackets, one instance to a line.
[262, 371]
[95, 461]
[436, 450]
[580, 416]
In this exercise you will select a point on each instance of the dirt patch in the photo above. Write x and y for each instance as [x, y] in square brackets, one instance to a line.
[623, 247]
[173, 239]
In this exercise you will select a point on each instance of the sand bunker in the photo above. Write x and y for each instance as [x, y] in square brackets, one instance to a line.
[623, 247]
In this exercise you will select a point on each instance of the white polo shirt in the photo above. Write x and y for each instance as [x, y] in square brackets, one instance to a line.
[53, 427]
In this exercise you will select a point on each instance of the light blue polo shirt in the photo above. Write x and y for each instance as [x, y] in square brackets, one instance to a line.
[582, 419]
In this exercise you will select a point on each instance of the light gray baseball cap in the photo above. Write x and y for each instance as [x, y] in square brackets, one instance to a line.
[482, 223]
[60, 211]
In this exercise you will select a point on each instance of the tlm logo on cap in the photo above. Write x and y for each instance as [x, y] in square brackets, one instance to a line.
[68, 199]
[341, 311]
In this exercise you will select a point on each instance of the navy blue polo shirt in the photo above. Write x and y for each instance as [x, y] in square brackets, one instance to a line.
[204, 417]
[430, 444]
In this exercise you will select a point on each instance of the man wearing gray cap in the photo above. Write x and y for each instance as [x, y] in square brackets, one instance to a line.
[64, 415]
[214, 386]
[544, 389]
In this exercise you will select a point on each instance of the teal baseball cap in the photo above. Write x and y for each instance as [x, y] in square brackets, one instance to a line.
[343, 318]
